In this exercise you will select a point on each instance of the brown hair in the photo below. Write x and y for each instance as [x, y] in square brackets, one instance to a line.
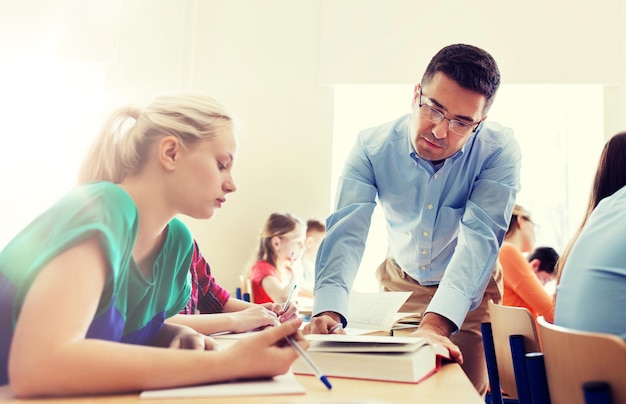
[610, 177]
[517, 211]
[315, 225]
[277, 224]
[470, 67]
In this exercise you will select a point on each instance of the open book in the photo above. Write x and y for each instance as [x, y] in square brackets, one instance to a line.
[378, 311]
[396, 359]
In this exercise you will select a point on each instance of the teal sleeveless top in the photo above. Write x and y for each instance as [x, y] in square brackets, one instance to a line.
[132, 308]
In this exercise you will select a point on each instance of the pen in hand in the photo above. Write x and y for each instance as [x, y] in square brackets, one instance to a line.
[308, 360]
[286, 306]
[338, 327]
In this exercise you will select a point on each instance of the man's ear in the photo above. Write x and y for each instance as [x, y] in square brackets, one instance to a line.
[535, 264]
[416, 94]
[169, 152]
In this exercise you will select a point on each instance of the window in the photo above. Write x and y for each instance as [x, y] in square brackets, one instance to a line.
[50, 114]
[560, 131]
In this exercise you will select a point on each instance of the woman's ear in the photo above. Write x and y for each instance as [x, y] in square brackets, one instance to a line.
[275, 242]
[169, 152]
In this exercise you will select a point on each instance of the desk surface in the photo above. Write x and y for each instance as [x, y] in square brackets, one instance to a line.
[448, 385]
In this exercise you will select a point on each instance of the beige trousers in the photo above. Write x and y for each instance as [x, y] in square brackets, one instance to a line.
[469, 339]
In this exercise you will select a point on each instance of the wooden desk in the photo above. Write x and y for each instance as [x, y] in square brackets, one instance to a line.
[449, 385]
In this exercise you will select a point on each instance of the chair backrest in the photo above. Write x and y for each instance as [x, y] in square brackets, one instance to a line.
[573, 358]
[246, 288]
[507, 321]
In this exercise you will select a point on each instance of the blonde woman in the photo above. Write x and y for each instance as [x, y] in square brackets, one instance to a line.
[87, 285]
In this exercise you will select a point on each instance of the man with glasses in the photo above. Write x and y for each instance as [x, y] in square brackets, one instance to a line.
[446, 181]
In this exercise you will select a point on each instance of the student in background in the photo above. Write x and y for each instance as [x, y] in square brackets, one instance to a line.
[211, 309]
[315, 232]
[610, 177]
[543, 261]
[591, 273]
[281, 243]
[522, 288]
[100, 270]
[446, 180]
[591, 293]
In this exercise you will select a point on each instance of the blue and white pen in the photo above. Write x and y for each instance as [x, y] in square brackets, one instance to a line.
[308, 360]
[286, 305]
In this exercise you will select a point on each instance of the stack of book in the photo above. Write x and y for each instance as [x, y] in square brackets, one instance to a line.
[396, 359]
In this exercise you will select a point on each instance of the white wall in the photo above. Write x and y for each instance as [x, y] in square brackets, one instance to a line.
[534, 41]
[273, 61]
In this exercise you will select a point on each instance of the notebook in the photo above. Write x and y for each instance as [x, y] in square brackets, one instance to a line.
[278, 385]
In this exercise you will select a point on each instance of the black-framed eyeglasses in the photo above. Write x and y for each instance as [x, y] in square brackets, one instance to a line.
[455, 126]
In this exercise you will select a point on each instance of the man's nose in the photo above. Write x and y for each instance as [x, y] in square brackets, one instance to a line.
[440, 130]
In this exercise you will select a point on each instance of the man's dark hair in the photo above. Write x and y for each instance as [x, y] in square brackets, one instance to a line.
[547, 257]
[471, 67]
[315, 225]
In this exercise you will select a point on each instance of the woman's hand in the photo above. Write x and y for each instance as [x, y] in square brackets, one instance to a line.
[194, 340]
[267, 353]
[254, 317]
[290, 314]
[183, 337]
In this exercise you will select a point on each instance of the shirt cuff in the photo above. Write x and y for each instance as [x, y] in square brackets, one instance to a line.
[331, 298]
[451, 304]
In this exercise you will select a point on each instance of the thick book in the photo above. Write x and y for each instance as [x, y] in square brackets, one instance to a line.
[385, 358]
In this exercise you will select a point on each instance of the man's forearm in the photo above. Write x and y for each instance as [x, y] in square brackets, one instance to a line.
[438, 324]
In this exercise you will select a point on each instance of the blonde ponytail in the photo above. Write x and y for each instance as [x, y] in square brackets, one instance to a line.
[128, 134]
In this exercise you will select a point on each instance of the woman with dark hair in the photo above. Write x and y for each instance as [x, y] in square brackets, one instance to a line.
[610, 177]
[592, 273]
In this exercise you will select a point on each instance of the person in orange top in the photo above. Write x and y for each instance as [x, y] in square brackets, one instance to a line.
[522, 288]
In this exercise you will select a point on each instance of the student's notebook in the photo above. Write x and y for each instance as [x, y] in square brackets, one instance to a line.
[396, 359]
[284, 384]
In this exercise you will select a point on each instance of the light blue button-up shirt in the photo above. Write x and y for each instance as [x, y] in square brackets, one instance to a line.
[590, 295]
[444, 227]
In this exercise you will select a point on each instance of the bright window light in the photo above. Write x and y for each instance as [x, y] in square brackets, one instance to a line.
[50, 114]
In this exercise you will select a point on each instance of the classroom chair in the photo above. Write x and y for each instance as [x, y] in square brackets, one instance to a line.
[513, 355]
[245, 285]
[583, 367]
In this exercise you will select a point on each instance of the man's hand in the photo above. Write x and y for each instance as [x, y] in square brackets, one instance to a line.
[323, 323]
[437, 328]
